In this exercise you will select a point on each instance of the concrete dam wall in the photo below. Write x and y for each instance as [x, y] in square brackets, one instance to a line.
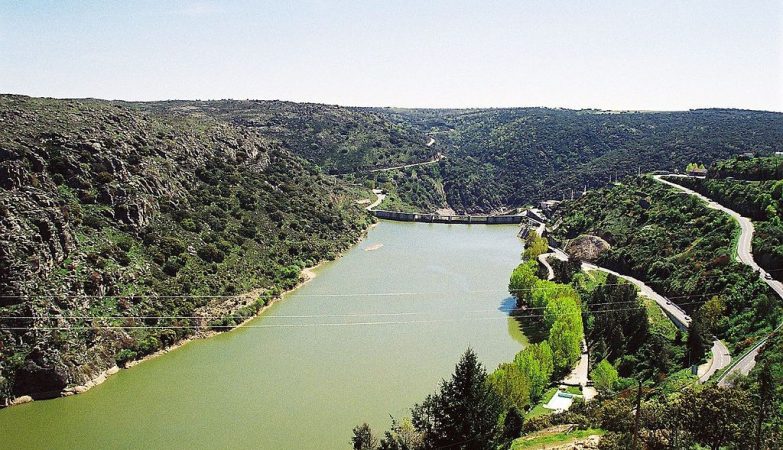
[434, 218]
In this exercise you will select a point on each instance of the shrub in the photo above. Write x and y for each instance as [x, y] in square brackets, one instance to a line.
[210, 253]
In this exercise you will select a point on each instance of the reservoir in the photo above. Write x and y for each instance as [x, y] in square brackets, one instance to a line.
[371, 335]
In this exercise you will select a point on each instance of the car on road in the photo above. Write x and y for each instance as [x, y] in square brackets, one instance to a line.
[668, 302]
[687, 317]
[767, 276]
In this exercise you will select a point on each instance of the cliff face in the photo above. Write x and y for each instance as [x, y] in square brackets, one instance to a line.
[108, 214]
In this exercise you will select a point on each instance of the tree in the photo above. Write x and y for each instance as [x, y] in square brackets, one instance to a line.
[537, 364]
[711, 313]
[512, 425]
[604, 375]
[622, 323]
[512, 385]
[656, 357]
[765, 399]
[523, 278]
[463, 413]
[565, 309]
[698, 340]
[363, 439]
[718, 417]
[566, 345]
[535, 245]
[532, 370]
[402, 436]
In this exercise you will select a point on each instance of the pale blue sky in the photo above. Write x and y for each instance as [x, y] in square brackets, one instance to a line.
[606, 54]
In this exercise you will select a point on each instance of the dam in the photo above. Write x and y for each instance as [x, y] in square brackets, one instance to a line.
[455, 219]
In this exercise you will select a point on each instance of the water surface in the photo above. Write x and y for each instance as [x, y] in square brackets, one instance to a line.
[372, 334]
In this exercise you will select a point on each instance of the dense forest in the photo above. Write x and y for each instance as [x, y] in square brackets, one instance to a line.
[108, 215]
[339, 140]
[503, 158]
[496, 159]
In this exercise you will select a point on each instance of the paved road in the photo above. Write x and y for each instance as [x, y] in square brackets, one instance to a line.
[745, 255]
[675, 313]
[380, 196]
[720, 354]
[434, 160]
[542, 258]
[540, 229]
[578, 376]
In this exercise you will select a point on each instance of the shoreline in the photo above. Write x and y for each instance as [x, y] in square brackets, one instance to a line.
[307, 274]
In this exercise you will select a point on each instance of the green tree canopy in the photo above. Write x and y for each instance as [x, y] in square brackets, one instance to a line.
[464, 412]
[604, 375]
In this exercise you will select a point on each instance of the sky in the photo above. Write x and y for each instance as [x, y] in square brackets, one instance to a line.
[640, 55]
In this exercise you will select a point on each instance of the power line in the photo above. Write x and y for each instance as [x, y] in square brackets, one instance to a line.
[306, 316]
[557, 286]
[310, 325]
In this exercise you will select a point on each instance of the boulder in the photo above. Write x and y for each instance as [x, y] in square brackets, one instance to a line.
[587, 247]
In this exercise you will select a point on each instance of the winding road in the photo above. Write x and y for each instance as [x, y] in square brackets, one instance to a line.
[745, 255]
[720, 353]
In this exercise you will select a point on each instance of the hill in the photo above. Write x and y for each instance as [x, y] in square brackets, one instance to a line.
[503, 158]
[496, 159]
[336, 138]
[114, 217]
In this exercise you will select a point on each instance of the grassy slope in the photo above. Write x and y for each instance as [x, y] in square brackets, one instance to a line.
[544, 439]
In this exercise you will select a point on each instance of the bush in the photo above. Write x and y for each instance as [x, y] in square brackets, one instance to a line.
[124, 356]
[210, 253]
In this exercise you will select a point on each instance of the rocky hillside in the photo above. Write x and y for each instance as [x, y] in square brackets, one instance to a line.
[118, 226]
[338, 139]
[496, 159]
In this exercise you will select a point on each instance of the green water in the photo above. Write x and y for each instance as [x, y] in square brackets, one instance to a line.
[315, 364]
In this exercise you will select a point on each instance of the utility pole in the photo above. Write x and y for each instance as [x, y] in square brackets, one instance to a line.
[638, 416]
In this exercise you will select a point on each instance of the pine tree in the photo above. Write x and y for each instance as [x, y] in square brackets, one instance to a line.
[464, 413]
[363, 439]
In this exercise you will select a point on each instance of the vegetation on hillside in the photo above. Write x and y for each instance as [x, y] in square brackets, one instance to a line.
[496, 159]
[744, 168]
[754, 188]
[113, 219]
[682, 249]
[503, 158]
[338, 139]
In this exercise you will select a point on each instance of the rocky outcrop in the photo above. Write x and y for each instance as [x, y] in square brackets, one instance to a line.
[586, 247]
[41, 376]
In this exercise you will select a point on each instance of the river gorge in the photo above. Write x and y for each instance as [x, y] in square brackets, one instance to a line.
[373, 333]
